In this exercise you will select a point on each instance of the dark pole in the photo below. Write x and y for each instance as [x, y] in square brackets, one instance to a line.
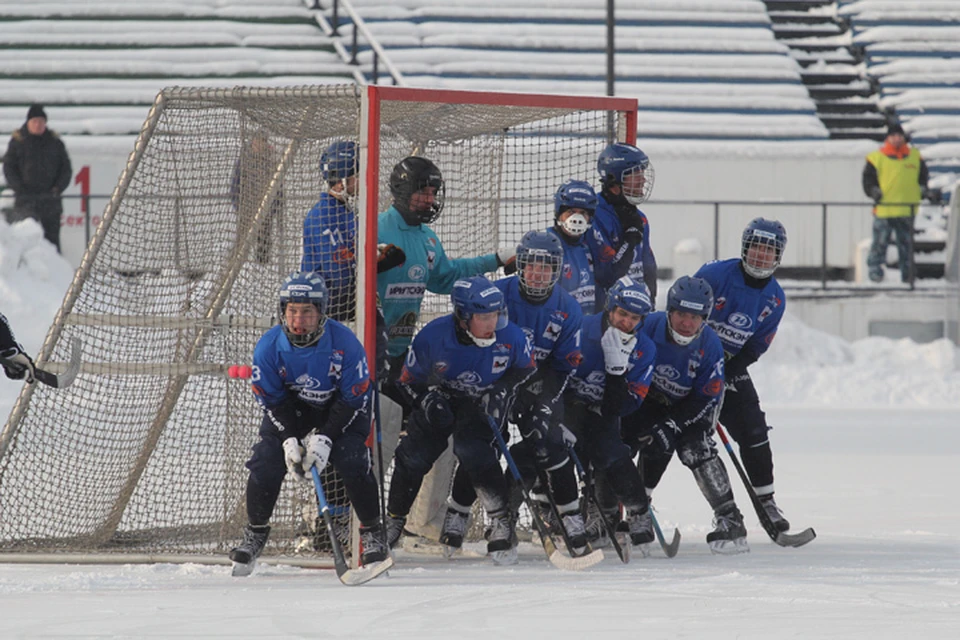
[610, 47]
[611, 123]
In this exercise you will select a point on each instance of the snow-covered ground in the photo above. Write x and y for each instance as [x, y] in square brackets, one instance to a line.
[867, 444]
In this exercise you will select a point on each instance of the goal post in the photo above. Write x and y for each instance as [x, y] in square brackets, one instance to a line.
[142, 457]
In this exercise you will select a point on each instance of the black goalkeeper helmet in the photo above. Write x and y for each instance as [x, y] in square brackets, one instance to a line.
[408, 178]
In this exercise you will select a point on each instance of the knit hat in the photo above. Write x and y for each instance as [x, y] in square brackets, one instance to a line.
[895, 129]
[36, 111]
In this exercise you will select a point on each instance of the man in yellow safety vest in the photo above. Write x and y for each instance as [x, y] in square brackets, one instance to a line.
[895, 177]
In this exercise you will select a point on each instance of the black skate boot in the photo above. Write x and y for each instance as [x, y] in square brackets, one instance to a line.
[640, 528]
[245, 555]
[374, 547]
[730, 536]
[395, 525]
[776, 516]
[501, 545]
[454, 528]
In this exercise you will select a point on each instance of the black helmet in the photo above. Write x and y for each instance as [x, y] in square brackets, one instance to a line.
[410, 176]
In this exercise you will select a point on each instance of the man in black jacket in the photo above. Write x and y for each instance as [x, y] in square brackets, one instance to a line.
[38, 169]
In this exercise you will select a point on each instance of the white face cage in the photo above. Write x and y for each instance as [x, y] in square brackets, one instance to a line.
[637, 184]
[576, 225]
[544, 272]
[761, 253]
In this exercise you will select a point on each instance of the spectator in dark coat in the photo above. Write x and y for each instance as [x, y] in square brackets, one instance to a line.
[38, 169]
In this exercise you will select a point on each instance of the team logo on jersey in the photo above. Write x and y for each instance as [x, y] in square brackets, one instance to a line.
[567, 272]
[769, 338]
[559, 316]
[667, 371]
[469, 378]
[528, 331]
[343, 255]
[584, 275]
[432, 241]
[740, 320]
[416, 272]
[336, 364]
[282, 372]
[720, 303]
[692, 366]
[431, 256]
[552, 331]
[763, 314]
[440, 367]
[500, 364]
[502, 347]
[575, 358]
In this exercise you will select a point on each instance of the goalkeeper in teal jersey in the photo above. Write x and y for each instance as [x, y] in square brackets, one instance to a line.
[416, 185]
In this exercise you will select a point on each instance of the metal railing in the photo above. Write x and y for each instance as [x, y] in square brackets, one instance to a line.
[332, 28]
[719, 212]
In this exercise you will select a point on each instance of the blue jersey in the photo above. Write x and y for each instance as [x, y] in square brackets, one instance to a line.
[589, 381]
[335, 366]
[552, 327]
[745, 318]
[329, 242]
[427, 268]
[682, 371]
[438, 358]
[605, 239]
[576, 276]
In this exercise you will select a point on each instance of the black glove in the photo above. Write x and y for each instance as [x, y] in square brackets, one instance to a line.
[660, 439]
[632, 223]
[876, 194]
[934, 196]
[436, 408]
[390, 256]
[495, 403]
[18, 365]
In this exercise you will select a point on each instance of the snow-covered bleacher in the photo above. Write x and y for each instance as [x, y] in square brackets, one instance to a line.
[913, 51]
[707, 69]
[99, 64]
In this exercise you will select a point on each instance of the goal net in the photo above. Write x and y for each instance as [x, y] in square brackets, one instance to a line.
[143, 455]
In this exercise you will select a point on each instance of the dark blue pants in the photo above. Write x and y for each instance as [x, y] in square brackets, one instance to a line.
[349, 455]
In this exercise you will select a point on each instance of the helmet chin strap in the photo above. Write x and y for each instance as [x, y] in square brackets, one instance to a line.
[483, 343]
[681, 339]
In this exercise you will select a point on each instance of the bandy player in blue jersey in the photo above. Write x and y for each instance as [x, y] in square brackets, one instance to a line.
[550, 318]
[310, 376]
[573, 207]
[748, 306]
[620, 236]
[612, 381]
[681, 408]
[461, 369]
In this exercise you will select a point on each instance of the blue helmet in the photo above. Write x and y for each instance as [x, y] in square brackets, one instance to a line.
[575, 194]
[762, 233]
[618, 165]
[539, 248]
[478, 295]
[629, 295]
[691, 295]
[339, 161]
[306, 287]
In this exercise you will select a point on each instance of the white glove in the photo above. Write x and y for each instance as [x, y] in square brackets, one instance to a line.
[293, 457]
[507, 258]
[617, 347]
[318, 451]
